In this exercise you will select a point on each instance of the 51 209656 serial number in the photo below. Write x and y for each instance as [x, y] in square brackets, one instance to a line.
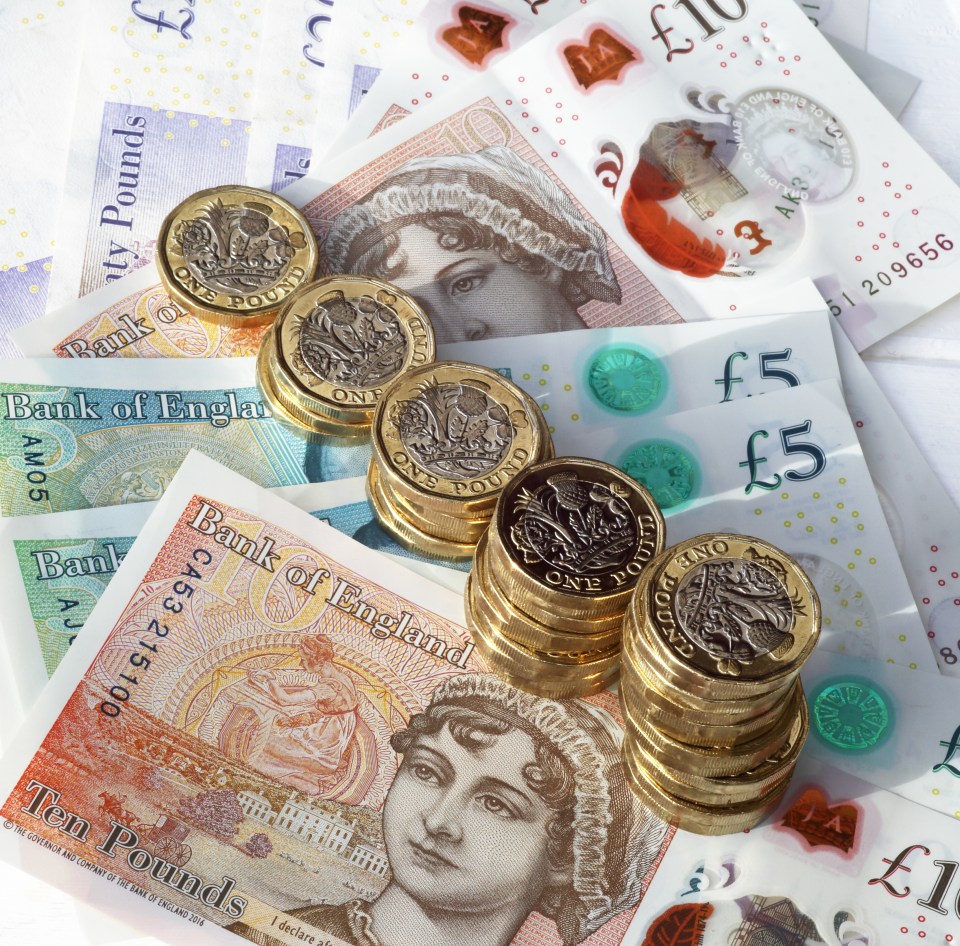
[927, 252]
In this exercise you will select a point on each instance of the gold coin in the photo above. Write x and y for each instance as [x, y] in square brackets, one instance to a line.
[463, 528]
[519, 629]
[526, 630]
[574, 535]
[695, 694]
[691, 726]
[234, 254]
[721, 790]
[500, 585]
[710, 820]
[539, 678]
[452, 435]
[558, 660]
[405, 532]
[789, 724]
[730, 615]
[290, 415]
[341, 339]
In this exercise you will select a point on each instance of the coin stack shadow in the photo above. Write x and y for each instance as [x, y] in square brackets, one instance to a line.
[323, 365]
[447, 438]
[713, 642]
[553, 575]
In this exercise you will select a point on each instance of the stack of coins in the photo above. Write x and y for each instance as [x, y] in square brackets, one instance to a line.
[447, 438]
[714, 639]
[553, 575]
[233, 255]
[336, 343]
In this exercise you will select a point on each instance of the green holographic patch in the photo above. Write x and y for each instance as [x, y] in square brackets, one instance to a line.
[666, 469]
[626, 379]
[851, 713]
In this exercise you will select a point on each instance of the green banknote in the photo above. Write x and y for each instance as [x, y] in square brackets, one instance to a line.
[77, 435]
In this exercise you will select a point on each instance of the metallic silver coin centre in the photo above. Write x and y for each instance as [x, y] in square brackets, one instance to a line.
[575, 525]
[734, 608]
[353, 343]
[237, 248]
[454, 430]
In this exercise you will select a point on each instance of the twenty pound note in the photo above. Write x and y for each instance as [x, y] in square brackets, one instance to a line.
[269, 728]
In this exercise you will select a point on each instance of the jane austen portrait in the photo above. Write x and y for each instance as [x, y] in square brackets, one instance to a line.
[487, 243]
[504, 804]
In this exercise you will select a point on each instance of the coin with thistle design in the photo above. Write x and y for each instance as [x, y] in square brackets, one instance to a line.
[452, 430]
[733, 606]
[579, 527]
[234, 254]
[342, 339]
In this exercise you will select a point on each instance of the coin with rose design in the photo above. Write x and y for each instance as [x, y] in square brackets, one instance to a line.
[234, 254]
[731, 615]
[572, 536]
[341, 340]
[451, 435]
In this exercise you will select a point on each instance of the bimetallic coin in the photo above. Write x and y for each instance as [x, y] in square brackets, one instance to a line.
[729, 609]
[464, 528]
[789, 725]
[695, 727]
[234, 254]
[694, 697]
[454, 434]
[574, 535]
[499, 588]
[699, 819]
[550, 659]
[342, 339]
[520, 629]
[409, 535]
[721, 790]
[559, 682]
[289, 414]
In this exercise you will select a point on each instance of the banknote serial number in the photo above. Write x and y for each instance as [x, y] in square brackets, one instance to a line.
[139, 660]
[927, 252]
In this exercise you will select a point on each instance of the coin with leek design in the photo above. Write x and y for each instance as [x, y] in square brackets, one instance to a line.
[342, 339]
[576, 531]
[732, 610]
[454, 434]
[233, 254]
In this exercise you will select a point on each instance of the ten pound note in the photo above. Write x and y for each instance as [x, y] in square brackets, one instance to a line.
[255, 732]
[724, 148]
[254, 738]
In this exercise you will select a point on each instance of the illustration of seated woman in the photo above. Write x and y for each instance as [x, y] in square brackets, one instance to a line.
[504, 804]
[293, 724]
[487, 243]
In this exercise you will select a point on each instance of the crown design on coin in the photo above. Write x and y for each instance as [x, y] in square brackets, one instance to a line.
[575, 525]
[455, 429]
[737, 609]
[237, 248]
[354, 343]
